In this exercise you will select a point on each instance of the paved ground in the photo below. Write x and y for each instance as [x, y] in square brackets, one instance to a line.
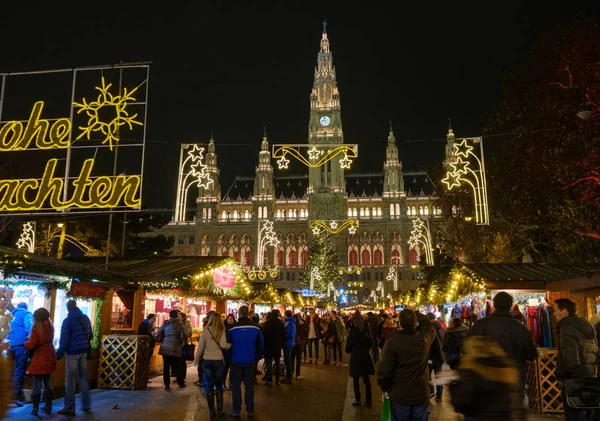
[322, 392]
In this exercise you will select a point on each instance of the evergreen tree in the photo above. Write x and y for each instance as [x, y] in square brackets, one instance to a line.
[323, 264]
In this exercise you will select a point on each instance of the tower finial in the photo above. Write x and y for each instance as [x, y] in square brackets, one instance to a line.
[265, 132]
[449, 124]
[212, 134]
[391, 128]
[325, 25]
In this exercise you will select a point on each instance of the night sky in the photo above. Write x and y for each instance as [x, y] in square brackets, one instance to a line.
[238, 68]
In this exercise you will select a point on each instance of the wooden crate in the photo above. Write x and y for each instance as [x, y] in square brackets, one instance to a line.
[543, 390]
[124, 362]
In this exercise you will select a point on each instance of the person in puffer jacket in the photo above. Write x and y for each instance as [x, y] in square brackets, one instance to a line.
[75, 339]
[173, 338]
[289, 341]
[577, 351]
[20, 328]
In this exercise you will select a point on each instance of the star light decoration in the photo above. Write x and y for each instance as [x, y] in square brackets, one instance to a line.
[333, 227]
[316, 157]
[27, 238]
[460, 171]
[118, 106]
[266, 237]
[192, 171]
[420, 235]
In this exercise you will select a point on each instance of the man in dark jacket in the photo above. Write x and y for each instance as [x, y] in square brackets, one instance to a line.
[577, 351]
[300, 346]
[246, 348]
[20, 328]
[373, 324]
[173, 338]
[512, 336]
[402, 372]
[75, 340]
[436, 356]
[273, 333]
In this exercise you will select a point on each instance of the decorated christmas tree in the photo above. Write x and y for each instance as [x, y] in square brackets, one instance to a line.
[323, 264]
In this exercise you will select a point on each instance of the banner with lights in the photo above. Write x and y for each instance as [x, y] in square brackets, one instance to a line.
[73, 140]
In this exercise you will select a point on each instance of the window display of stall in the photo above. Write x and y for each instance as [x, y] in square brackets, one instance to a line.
[161, 305]
[122, 310]
[531, 308]
[262, 308]
[60, 313]
[196, 311]
[32, 295]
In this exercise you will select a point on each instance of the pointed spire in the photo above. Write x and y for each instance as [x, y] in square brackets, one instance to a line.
[265, 143]
[324, 25]
[450, 135]
[211, 142]
[391, 137]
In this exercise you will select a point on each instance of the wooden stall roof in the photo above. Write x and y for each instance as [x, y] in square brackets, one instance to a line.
[160, 268]
[530, 275]
[37, 267]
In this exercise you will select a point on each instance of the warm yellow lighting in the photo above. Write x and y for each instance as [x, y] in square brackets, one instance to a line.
[280, 152]
[333, 227]
[118, 103]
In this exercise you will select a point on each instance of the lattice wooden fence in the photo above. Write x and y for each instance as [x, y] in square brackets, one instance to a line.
[124, 362]
[543, 389]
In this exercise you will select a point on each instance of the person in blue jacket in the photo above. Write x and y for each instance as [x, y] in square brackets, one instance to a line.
[20, 328]
[75, 340]
[289, 341]
[247, 345]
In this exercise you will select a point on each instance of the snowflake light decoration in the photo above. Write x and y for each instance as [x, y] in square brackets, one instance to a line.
[118, 103]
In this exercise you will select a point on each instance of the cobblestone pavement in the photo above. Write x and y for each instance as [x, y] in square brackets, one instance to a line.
[321, 393]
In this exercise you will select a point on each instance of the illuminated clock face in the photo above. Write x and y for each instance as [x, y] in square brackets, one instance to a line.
[325, 121]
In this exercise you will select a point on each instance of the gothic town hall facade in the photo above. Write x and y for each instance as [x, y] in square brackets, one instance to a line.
[226, 222]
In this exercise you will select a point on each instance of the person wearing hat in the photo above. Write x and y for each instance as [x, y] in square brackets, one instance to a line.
[20, 328]
[75, 337]
[43, 361]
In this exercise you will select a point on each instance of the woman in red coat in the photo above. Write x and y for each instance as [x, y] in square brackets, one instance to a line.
[43, 361]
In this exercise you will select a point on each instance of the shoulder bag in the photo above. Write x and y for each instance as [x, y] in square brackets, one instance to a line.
[583, 393]
[188, 350]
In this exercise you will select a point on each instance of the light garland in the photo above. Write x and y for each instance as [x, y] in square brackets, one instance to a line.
[420, 234]
[261, 273]
[350, 270]
[316, 157]
[475, 178]
[192, 171]
[356, 284]
[118, 103]
[27, 238]
[333, 227]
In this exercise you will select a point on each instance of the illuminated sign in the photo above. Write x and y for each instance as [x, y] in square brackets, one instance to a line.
[89, 139]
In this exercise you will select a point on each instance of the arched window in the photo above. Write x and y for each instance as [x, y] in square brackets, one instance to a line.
[224, 215]
[349, 211]
[412, 257]
[392, 213]
[265, 214]
[367, 212]
[408, 212]
[362, 212]
[397, 210]
[354, 213]
[246, 214]
[260, 213]
[304, 257]
[365, 258]
[290, 213]
[235, 214]
[278, 213]
[266, 257]
[374, 212]
[396, 257]
[301, 213]
[247, 257]
[292, 257]
[378, 257]
[204, 213]
[414, 211]
[209, 214]
[205, 251]
[280, 258]
[420, 210]
[353, 258]
[378, 211]
[235, 253]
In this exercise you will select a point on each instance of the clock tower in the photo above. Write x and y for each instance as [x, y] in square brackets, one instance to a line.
[327, 187]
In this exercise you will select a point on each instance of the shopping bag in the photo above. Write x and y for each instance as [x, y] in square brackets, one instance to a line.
[187, 352]
[386, 411]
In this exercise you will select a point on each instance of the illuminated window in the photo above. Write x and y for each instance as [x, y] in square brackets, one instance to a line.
[349, 212]
[397, 210]
[278, 214]
[265, 214]
[408, 212]
[280, 258]
[378, 211]
[378, 257]
[290, 213]
[260, 213]
[204, 213]
[414, 211]
[304, 257]
[367, 212]
[412, 257]
[374, 212]
[362, 212]
[209, 213]
[235, 214]
[426, 210]
[392, 213]
[366, 258]
[293, 258]
[247, 214]
[353, 258]
[395, 257]
[224, 215]
[420, 210]
[60, 313]
[354, 213]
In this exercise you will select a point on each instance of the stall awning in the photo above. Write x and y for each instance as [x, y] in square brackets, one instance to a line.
[530, 275]
[156, 269]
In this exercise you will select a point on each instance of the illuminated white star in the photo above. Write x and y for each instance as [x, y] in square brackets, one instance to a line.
[345, 162]
[316, 231]
[196, 153]
[463, 148]
[333, 225]
[205, 181]
[352, 230]
[283, 163]
[314, 153]
[418, 224]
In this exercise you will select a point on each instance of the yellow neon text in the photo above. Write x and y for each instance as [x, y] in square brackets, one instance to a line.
[13, 137]
[100, 192]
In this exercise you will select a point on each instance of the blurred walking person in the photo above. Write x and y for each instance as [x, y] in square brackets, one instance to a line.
[314, 332]
[213, 341]
[300, 346]
[453, 342]
[229, 323]
[289, 341]
[43, 360]
[358, 345]
[338, 329]
[187, 329]
[273, 333]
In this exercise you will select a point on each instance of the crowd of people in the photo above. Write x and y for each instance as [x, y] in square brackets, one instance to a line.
[30, 338]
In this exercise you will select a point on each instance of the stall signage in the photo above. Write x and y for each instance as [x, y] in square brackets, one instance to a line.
[87, 290]
[308, 292]
[81, 177]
